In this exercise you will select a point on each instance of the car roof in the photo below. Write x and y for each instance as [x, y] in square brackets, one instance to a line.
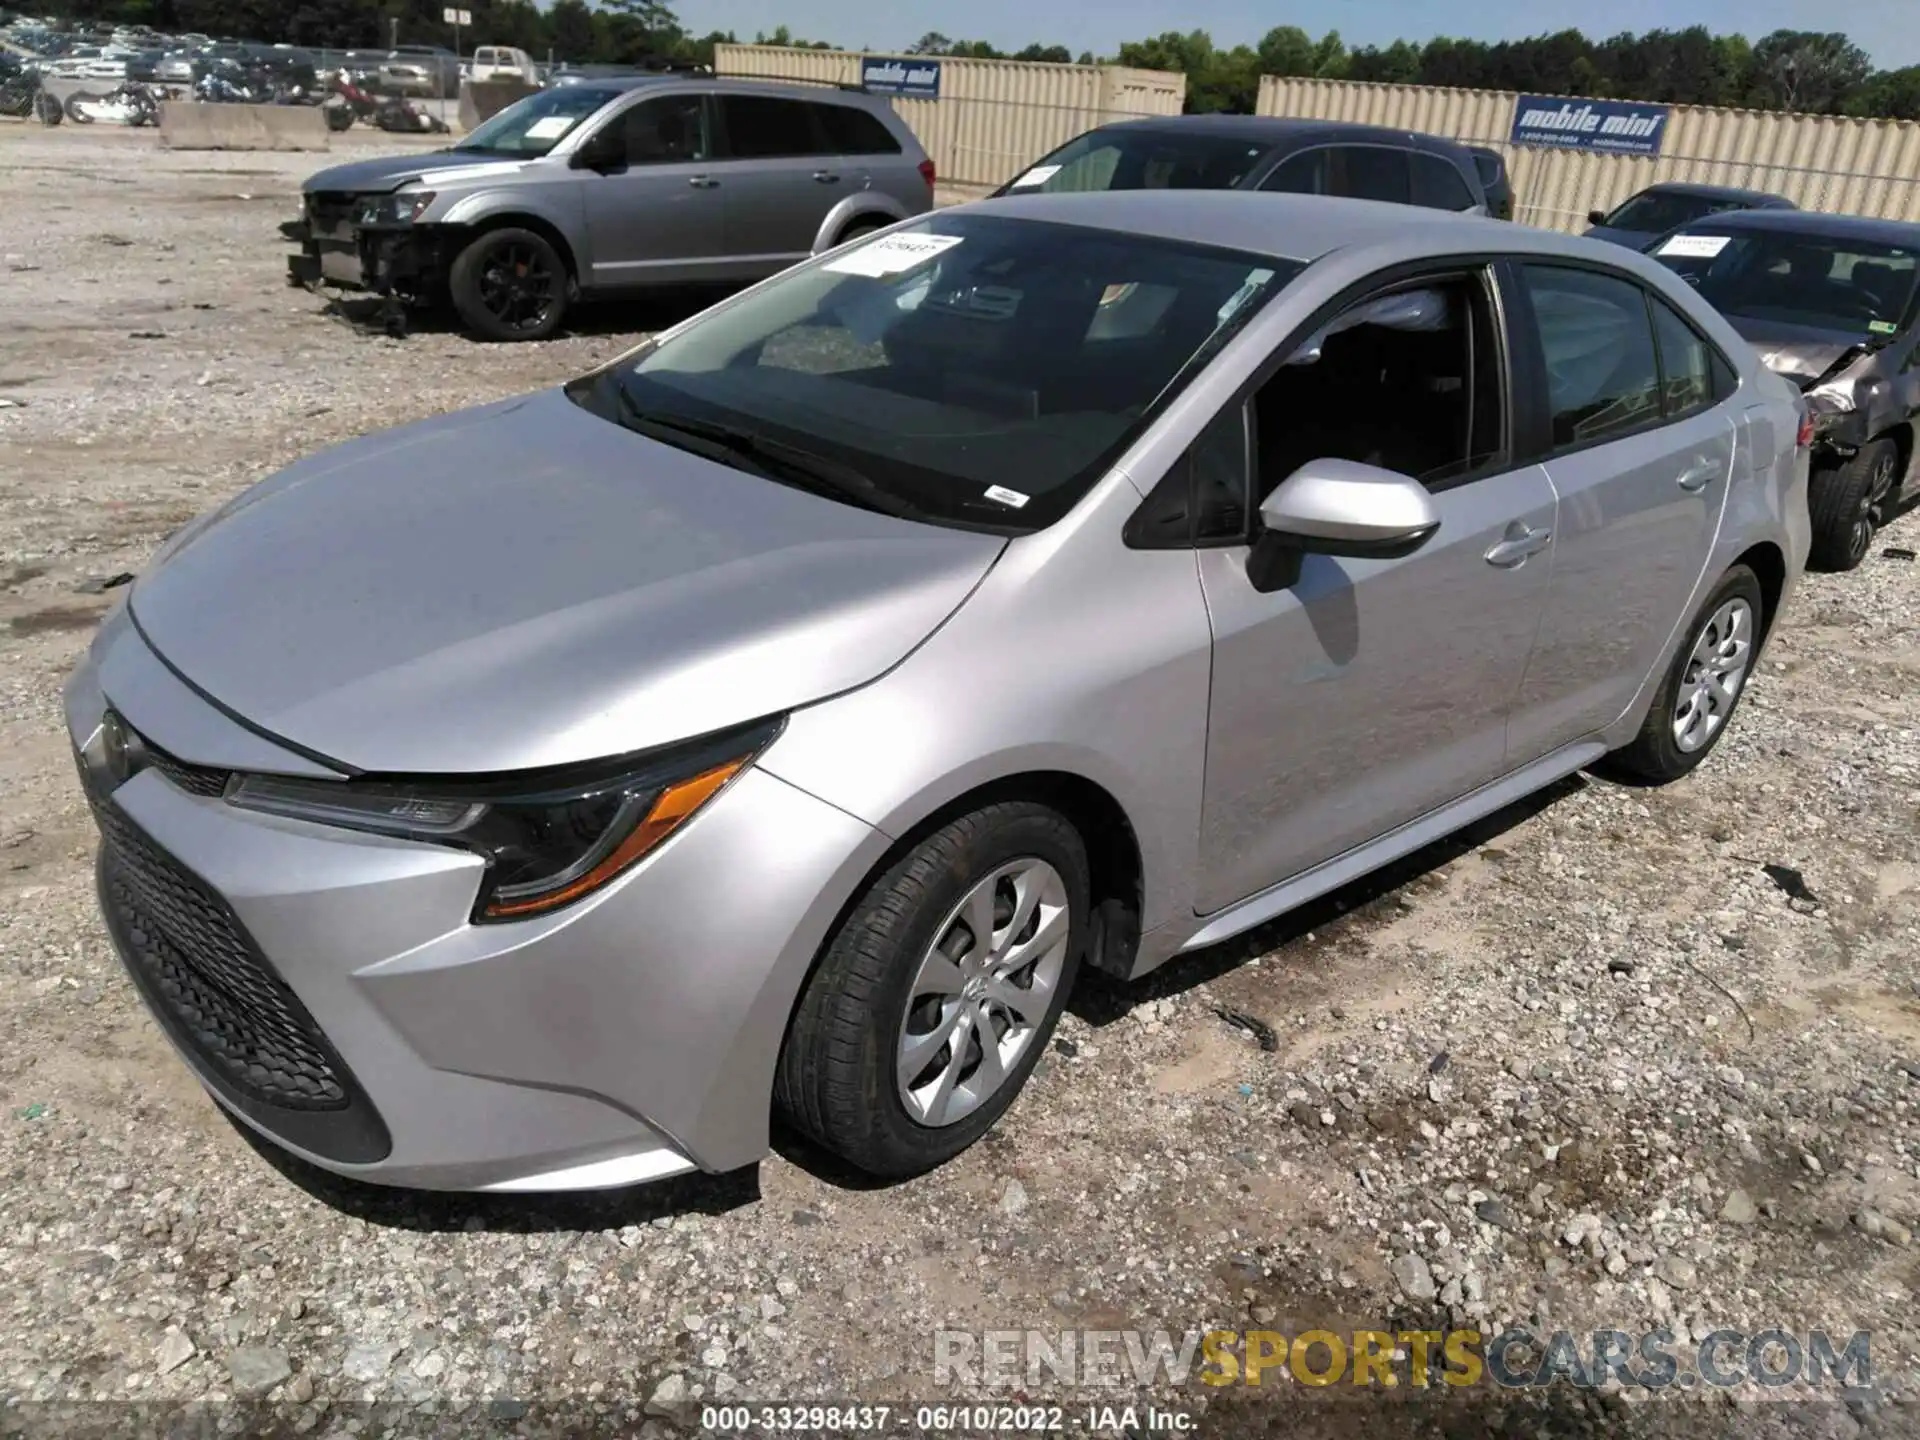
[1815, 224]
[1282, 226]
[1713, 192]
[1283, 129]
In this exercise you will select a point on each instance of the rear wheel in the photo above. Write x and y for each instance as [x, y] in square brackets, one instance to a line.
[1697, 698]
[1849, 502]
[46, 109]
[935, 999]
[859, 230]
[75, 101]
[509, 285]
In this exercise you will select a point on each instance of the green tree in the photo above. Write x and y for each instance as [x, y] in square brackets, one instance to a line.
[1806, 71]
[1287, 50]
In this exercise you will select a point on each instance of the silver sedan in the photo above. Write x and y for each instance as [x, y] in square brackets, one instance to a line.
[776, 718]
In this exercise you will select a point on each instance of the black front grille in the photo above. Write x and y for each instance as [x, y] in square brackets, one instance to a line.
[330, 207]
[238, 1015]
[213, 989]
[194, 779]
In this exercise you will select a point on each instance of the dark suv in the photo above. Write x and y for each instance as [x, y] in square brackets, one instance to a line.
[1257, 152]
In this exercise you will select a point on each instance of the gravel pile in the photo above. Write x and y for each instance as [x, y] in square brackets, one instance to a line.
[1592, 1065]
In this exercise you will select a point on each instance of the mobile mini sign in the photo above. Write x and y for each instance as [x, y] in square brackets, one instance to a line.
[1615, 127]
[916, 79]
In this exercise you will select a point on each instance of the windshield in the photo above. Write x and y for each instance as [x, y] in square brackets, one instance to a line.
[1126, 159]
[967, 369]
[1853, 287]
[535, 125]
[1657, 214]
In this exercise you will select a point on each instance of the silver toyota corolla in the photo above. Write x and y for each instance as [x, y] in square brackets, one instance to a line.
[774, 719]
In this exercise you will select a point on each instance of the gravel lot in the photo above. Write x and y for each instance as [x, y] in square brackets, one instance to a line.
[1589, 1066]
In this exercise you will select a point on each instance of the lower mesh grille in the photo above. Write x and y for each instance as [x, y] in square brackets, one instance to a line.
[226, 1003]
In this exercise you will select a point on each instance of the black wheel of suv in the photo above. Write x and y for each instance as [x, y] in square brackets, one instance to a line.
[935, 999]
[1703, 685]
[509, 285]
[1848, 502]
[859, 230]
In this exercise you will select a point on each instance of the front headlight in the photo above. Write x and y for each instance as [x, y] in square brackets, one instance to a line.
[550, 837]
[403, 207]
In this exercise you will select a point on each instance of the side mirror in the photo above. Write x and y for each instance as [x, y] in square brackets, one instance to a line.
[1596, 217]
[602, 150]
[1343, 508]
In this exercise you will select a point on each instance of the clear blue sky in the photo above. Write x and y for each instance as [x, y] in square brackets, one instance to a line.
[1889, 30]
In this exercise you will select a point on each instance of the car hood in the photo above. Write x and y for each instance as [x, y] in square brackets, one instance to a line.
[1804, 354]
[390, 172]
[525, 584]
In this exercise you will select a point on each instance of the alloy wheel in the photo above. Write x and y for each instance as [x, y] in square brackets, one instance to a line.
[982, 992]
[518, 287]
[1872, 505]
[1716, 671]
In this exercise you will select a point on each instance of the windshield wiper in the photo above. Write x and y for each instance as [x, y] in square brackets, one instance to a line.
[790, 464]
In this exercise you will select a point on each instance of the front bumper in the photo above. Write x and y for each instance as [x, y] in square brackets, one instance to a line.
[405, 260]
[326, 987]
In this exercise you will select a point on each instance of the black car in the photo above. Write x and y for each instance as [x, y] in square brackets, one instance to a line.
[1256, 152]
[1492, 166]
[1644, 217]
[1830, 303]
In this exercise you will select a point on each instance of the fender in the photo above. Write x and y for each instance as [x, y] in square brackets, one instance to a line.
[868, 206]
[559, 206]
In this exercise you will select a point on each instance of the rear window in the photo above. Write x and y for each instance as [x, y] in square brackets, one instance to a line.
[1492, 171]
[1438, 185]
[763, 127]
[1125, 159]
[977, 370]
[1648, 214]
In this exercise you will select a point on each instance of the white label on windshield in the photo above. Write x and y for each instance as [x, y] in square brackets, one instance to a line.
[549, 127]
[1696, 247]
[1254, 282]
[891, 255]
[1038, 175]
[1005, 496]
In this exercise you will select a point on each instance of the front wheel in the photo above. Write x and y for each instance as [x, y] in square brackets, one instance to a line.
[1704, 684]
[1849, 501]
[509, 285]
[46, 109]
[74, 105]
[935, 999]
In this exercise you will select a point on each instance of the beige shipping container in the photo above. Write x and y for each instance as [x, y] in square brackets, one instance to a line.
[1820, 162]
[993, 117]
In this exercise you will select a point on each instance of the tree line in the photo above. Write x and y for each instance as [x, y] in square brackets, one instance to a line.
[1811, 71]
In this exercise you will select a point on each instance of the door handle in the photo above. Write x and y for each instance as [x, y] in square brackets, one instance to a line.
[1520, 542]
[826, 177]
[1698, 475]
[704, 182]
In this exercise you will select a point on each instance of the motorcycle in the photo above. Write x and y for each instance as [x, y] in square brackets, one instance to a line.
[21, 96]
[349, 101]
[128, 104]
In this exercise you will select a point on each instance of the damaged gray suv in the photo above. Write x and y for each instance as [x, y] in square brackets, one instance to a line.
[1829, 302]
[608, 186]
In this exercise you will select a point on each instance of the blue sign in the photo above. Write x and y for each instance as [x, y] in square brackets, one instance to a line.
[919, 79]
[1615, 127]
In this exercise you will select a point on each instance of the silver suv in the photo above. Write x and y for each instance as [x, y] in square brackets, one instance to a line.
[607, 186]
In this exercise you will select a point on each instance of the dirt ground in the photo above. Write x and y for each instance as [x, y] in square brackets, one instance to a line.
[1587, 1067]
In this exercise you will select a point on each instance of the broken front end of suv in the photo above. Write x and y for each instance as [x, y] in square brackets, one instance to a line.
[370, 243]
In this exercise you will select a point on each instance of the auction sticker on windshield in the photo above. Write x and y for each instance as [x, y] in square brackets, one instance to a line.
[1696, 247]
[891, 255]
[547, 127]
[1038, 175]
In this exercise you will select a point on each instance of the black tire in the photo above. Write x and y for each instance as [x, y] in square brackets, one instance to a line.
[1849, 501]
[491, 284]
[73, 110]
[859, 230]
[46, 109]
[836, 1080]
[1655, 756]
[339, 118]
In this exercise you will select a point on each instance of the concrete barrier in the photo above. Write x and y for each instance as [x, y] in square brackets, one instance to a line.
[484, 99]
[191, 125]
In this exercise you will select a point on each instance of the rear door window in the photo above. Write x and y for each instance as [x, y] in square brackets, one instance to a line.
[1603, 377]
[854, 132]
[1438, 185]
[1302, 174]
[1370, 172]
[766, 127]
